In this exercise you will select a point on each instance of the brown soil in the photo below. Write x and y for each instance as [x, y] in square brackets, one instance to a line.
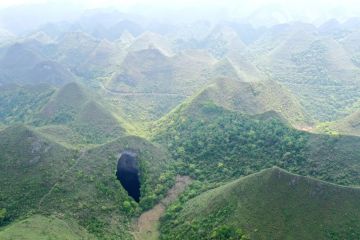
[146, 227]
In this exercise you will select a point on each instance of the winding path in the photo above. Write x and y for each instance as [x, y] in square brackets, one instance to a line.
[122, 93]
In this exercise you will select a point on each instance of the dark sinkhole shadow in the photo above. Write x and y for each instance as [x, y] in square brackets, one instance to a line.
[128, 174]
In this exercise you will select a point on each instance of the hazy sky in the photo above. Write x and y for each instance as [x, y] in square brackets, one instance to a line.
[258, 11]
[311, 5]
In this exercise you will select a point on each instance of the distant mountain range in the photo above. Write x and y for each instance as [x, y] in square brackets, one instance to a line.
[226, 103]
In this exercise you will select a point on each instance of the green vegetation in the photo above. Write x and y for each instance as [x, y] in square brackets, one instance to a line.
[44, 177]
[19, 104]
[204, 137]
[190, 100]
[252, 98]
[349, 125]
[30, 166]
[90, 193]
[290, 206]
[43, 228]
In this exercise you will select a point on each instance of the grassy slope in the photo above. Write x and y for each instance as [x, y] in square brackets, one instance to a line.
[253, 98]
[271, 204]
[155, 83]
[349, 125]
[74, 48]
[17, 61]
[25, 63]
[82, 117]
[39, 227]
[19, 104]
[316, 68]
[167, 74]
[30, 165]
[71, 115]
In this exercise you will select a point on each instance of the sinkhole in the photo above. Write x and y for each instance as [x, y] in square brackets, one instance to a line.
[128, 174]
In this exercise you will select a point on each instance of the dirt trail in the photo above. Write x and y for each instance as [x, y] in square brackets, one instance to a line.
[146, 227]
[122, 93]
[82, 153]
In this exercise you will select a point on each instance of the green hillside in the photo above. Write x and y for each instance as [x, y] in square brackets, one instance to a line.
[149, 84]
[349, 125]
[85, 118]
[90, 193]
[74, 48]
[26, 64]
[151, 71]
[213, 143]
[150, 40]
[44, 228]
[51, 73]
[222, 40]
[19, 104]
[104, 59]
[30, 166]
[318, 69]
[253, 98]
[271, 204]
[218, 122]
[41, 176]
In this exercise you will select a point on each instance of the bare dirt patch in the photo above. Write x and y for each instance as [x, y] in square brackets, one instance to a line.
[146, 227]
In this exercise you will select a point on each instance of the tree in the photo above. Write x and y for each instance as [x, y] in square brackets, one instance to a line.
[227, 233]
[2, 215]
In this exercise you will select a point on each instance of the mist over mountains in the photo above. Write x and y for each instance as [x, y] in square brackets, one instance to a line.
[23, 17]
[228, 120]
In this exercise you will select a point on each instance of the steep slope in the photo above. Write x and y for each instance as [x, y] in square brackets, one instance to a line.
[349, 125]
[51, 73]
[42, 177]
[16, 62]
[119, 28]
[244, 67]
[280, 37]
[149, 84]
[19, 104]
[24, 63]
[94, 197]
[74, 48]
[204, 136]
[151, 71]
[253, 98]
[87, 121]
[42, 228]
[139, 68]
[317, 68]
[290, 206]
[149, 40]
[30, 166]
[223, 40]
[65, 103]
[18, 56]
[103, 60]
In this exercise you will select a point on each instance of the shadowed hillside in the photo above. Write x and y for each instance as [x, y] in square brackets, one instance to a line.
[290, 206]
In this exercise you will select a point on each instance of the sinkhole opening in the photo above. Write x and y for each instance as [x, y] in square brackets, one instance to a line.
[128, 174]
